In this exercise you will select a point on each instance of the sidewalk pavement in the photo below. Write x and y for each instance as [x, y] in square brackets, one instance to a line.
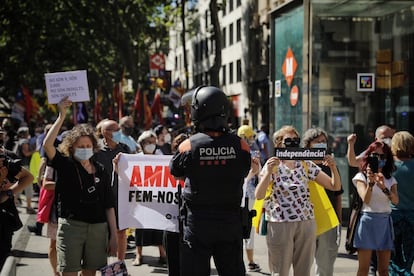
[32, 258]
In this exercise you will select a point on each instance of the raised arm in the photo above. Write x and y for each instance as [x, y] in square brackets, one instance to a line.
[264, 179]
[332, 183]
[49, 142]
[353, 160]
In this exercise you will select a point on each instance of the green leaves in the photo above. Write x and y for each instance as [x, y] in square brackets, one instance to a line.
[103, 37]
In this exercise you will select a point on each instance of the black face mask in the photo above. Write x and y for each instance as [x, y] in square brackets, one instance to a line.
[1, 142]
[128, 130]
[292, 142]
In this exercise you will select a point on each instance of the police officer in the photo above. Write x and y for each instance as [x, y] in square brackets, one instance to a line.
[213, 163]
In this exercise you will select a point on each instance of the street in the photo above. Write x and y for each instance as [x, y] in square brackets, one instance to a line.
[32, 259]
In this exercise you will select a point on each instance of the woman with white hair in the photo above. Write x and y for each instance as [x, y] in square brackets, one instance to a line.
[147, 237]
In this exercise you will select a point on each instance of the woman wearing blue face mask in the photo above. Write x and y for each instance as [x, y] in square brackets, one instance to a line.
[377, 188]
[327, 243]
[84, 197]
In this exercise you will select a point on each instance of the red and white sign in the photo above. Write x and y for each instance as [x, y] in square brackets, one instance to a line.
[289, 67]
[157, 63]
[294, 95]
[147, 193]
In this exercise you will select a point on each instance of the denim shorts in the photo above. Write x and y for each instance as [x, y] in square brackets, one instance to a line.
[374, 231]
[81, 245]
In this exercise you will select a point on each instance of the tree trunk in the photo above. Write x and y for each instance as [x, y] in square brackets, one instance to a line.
[184, 43]
[215, 68]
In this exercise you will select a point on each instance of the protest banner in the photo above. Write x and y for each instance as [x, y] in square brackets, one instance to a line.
[300, 153]
[147, 193]
[73, 84]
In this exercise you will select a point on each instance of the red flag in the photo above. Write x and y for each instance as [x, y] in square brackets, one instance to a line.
[97, 107]
[120, 100]
[115, 98]
[137, 106]
[156, 107]
[28, 103]
[147, 112]
[74, 112]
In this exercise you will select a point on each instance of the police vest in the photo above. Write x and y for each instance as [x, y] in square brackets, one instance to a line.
[218, 168]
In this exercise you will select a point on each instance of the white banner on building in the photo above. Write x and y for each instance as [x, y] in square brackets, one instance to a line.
[147, 193]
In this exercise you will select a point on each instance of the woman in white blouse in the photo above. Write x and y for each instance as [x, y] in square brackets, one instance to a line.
[291, 227]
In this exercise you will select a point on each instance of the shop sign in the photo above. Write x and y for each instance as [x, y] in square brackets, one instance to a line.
[157, 64]
[289, 67]
[294, 95]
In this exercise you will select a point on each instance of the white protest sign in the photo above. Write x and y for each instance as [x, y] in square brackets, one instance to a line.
[147, 193]
[73, 84]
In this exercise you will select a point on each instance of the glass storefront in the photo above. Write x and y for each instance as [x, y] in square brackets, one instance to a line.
[362, 60]
[361, 71]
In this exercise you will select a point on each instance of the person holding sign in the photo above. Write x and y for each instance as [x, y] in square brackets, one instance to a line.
[109, 149]
[291, 226]
[84, 197]
[214, 163]
[148, 237]
[327, 243]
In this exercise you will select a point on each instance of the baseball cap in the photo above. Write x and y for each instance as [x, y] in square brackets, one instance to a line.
[246, 131]
[23, 129]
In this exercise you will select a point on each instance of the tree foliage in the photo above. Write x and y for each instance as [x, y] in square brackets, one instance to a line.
[106, 38]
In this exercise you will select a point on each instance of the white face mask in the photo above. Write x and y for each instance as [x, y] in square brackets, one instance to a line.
[387, 141]
[149, 148]
[167, 138]
[320, 146]
[82, 154]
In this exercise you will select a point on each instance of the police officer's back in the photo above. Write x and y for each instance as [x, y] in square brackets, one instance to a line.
[214, 164]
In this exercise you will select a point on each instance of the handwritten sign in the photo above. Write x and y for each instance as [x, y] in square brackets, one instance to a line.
[73, 84]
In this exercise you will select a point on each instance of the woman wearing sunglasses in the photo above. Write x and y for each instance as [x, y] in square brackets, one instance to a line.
[377, 188]
[291, 227]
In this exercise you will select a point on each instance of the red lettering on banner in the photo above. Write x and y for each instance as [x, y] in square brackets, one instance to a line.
[152, 176]
[158, 176]
[136, 179]
[169, 178]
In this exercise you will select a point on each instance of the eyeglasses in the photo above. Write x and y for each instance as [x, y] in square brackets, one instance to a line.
[291, 142]
[378, 155]
[112, 129]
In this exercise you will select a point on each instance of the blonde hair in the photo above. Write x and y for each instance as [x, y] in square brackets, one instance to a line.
[278, 135]
[66, 147]
[402, 144]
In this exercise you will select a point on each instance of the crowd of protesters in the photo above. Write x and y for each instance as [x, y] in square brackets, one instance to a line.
[81, 204]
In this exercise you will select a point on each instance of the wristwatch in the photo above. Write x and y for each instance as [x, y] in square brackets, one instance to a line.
[9, 193]
[386, 191]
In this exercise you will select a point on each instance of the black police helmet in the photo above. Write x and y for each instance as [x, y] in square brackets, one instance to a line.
[209, 109]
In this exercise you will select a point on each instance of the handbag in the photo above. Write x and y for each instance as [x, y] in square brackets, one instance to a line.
[46, 198]
[263, 225]
[353, 222]
[10, 215]
[117, 268]
[325, 215]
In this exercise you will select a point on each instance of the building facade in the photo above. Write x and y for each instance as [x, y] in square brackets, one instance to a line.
[244, 62]
[345, 66]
